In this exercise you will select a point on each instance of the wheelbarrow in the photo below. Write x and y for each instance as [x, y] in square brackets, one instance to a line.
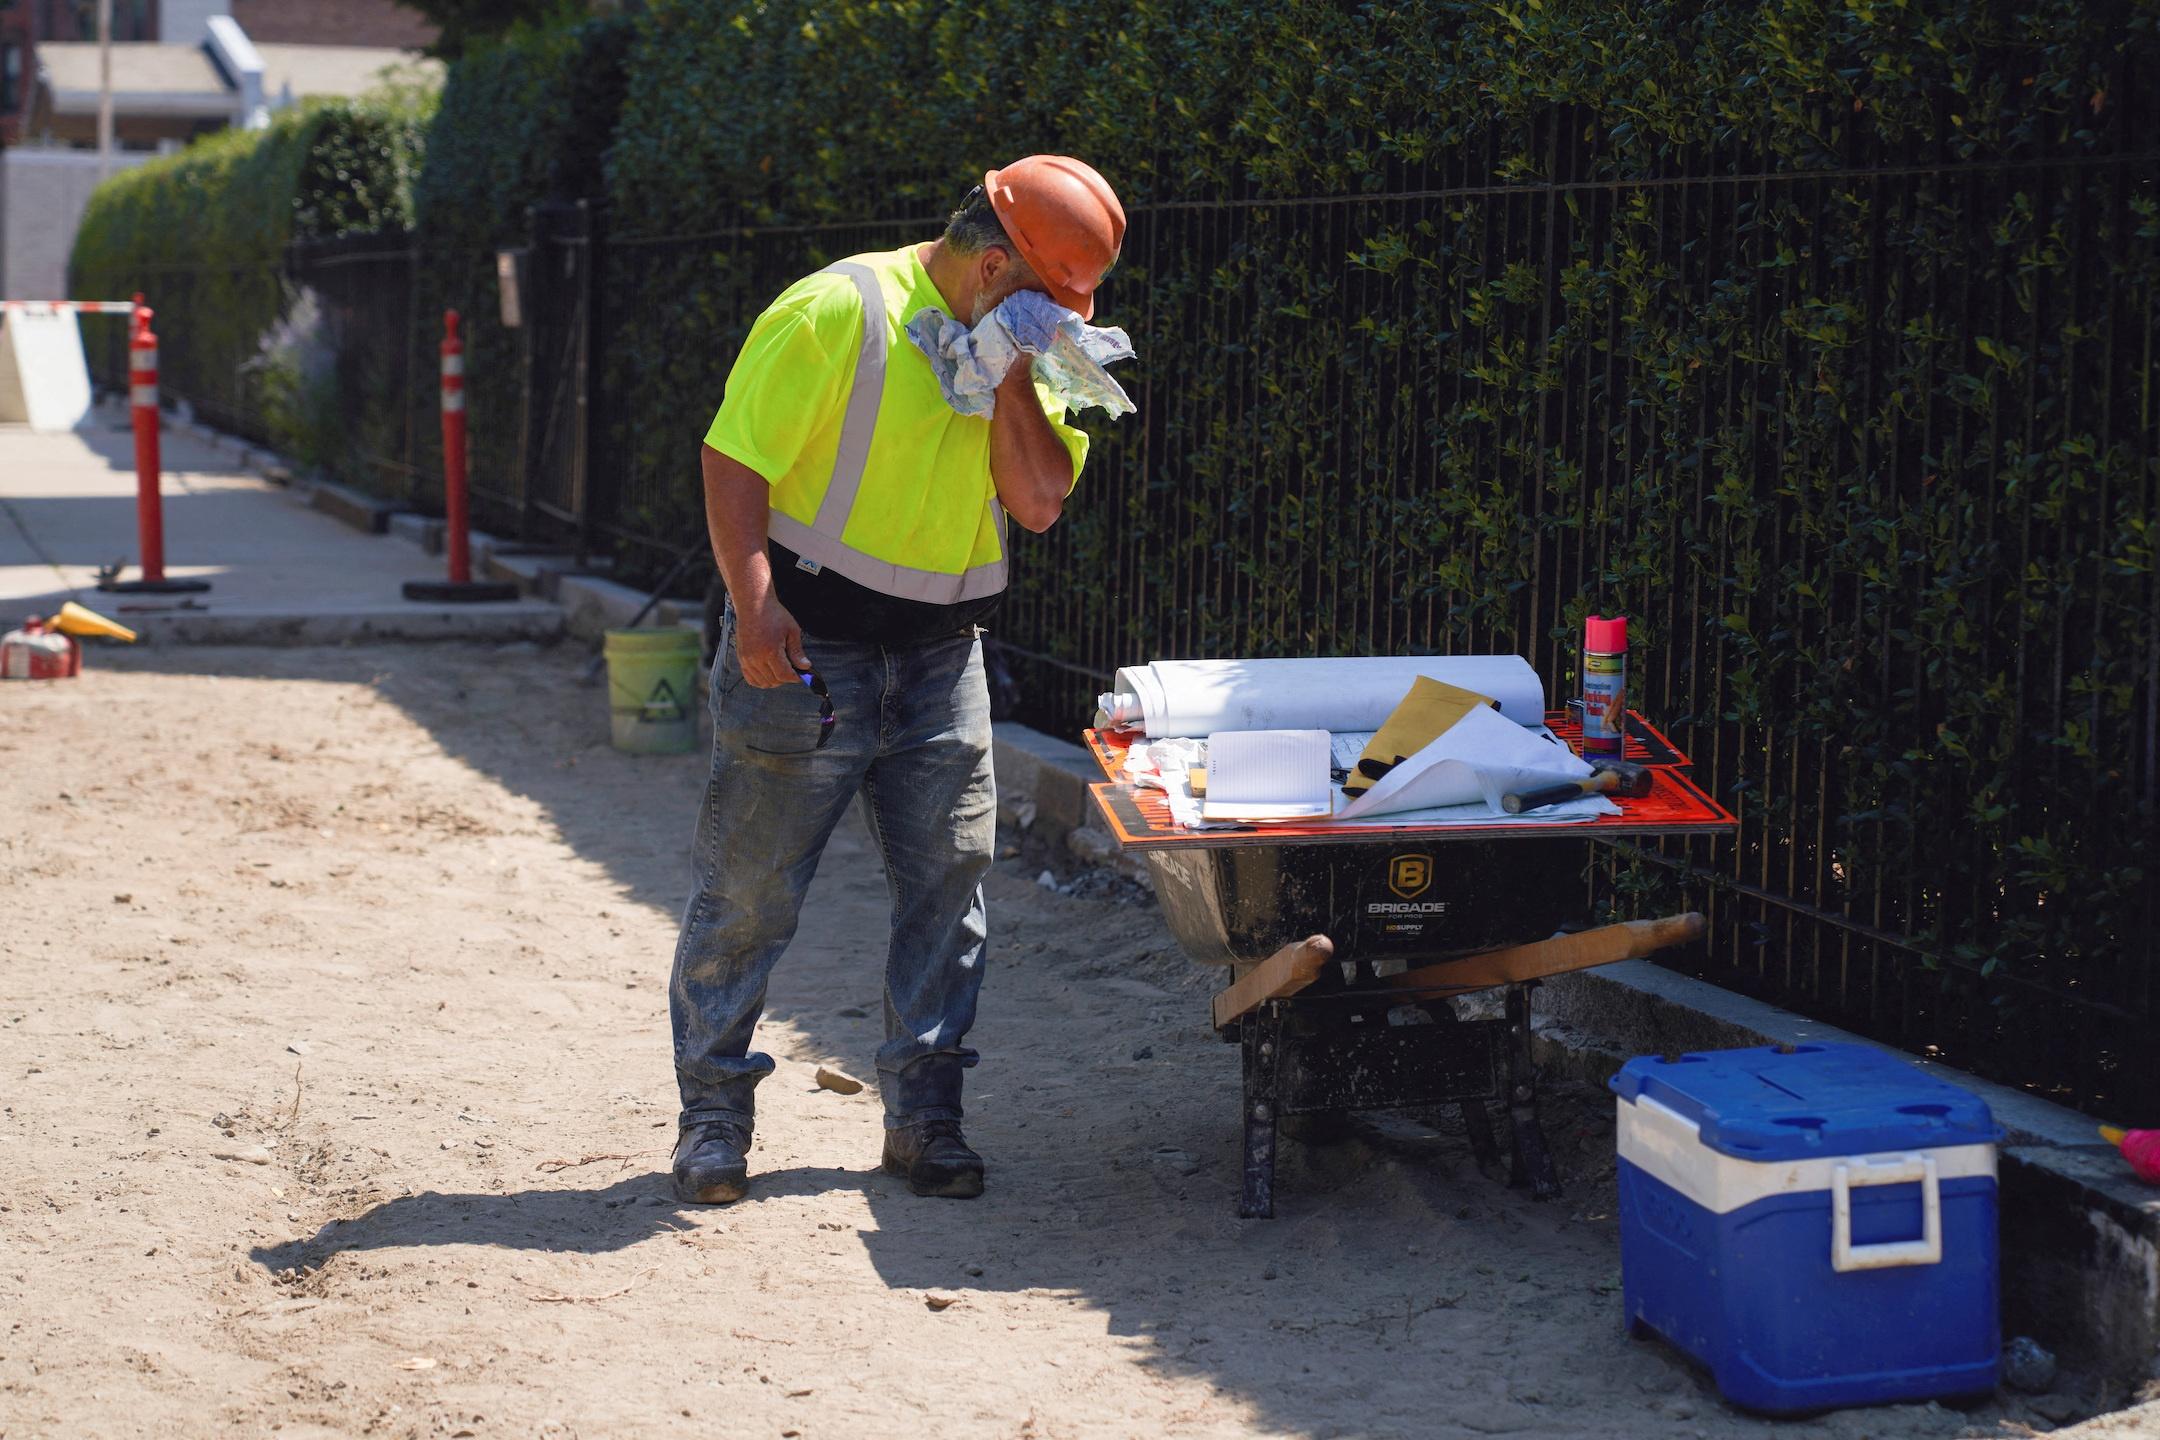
[1344, 944]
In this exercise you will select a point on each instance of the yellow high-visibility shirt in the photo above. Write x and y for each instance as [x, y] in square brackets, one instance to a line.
[924, 506]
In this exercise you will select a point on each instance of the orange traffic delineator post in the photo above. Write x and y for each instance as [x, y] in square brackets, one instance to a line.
[149, 471]
[457, 540]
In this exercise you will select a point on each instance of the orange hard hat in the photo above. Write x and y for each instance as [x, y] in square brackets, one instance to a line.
[1065, 221]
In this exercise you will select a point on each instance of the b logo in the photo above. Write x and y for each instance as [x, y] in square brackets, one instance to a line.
[1409, 875]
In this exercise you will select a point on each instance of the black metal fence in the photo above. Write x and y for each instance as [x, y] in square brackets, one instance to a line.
[1869, 453]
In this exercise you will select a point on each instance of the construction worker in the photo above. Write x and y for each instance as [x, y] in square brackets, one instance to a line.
[859, 522]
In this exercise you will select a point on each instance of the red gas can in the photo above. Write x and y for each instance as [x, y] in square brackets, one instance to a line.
[35, 653]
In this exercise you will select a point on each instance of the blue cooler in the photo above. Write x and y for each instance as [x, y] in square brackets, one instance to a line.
[1817, 1225]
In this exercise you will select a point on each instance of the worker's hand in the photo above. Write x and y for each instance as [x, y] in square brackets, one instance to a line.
[768, 645]
[1020, 375]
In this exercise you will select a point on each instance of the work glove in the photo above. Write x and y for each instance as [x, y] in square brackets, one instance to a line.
[1430, 709]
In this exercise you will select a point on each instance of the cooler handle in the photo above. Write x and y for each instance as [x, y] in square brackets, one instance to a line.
[1885, 1170]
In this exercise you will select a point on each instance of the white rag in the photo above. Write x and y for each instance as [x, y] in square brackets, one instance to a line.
[1069, 354]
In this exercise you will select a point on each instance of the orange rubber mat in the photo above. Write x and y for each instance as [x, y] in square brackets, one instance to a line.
[1140, 817]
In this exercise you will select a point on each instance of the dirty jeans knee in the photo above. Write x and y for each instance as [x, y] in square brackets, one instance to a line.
[722, 958]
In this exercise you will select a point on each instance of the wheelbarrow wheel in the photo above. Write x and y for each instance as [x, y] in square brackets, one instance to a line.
[1322, 1127]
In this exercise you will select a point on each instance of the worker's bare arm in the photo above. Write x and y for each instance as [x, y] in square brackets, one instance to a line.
[738, 504]
[1030, 466]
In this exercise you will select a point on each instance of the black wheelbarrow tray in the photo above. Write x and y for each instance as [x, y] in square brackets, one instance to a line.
[1345, 943]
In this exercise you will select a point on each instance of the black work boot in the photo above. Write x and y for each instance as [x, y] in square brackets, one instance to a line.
[935, 1158]
[711, 1167]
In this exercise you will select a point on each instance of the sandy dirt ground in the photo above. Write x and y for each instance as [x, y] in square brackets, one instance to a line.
[335, 1099]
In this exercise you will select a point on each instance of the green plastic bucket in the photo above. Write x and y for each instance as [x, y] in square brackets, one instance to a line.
[652, 690]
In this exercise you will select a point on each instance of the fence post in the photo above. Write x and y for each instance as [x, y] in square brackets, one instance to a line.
[528, 325]
[149, 469]
[407, 422]
[590, 296]
[460, 588]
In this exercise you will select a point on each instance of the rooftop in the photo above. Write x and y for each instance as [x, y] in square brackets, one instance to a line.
[170, 79]
[147, 77]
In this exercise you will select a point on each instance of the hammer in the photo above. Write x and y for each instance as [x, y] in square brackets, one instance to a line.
[1606, 777]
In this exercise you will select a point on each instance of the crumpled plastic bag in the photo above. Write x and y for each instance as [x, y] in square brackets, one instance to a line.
[1069, 354]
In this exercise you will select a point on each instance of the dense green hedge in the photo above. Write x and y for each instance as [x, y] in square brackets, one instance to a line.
[204, 234]
[519, 116]
[1863, 458]
[813, 110]
[798, 112]
[524, 118]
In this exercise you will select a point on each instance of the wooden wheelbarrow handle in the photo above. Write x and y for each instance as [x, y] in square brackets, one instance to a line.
[1297, 965]
[1286, 972]
[1628, 940]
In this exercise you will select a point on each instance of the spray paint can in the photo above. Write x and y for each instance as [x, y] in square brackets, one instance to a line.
[1604, 686]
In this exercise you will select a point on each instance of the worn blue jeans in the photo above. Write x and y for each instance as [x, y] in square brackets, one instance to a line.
[911, 739]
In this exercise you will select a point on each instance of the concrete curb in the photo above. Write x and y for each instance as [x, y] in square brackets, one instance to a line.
[1042, 785]
[562, 599]
[499, 623]
[112, 410]
[424, 532]
[260, 459]
[2080, 1249]
[591, 604]
[350, 621]
[369, 514]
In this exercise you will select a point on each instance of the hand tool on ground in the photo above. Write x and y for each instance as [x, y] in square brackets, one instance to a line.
[1606, 777]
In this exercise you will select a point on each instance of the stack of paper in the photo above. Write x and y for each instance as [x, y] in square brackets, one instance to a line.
[1261, 775]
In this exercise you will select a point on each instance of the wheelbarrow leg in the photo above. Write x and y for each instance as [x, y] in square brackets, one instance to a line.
[1533, 1163]
[1477, 1122]
[1262, 1048]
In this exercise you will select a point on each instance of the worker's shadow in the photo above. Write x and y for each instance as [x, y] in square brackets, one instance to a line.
[593, 1221]
[563, 1219]
[1141, 1229]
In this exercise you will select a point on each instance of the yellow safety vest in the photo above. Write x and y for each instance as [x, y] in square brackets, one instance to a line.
[904, 504]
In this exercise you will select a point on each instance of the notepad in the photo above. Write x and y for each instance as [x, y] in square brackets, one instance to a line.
[1261, 775]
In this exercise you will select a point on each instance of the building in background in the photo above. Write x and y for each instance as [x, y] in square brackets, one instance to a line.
[180, 68]
[24, 23]
[334, 22]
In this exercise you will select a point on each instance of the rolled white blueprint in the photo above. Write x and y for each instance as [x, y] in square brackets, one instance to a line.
[1183, 698]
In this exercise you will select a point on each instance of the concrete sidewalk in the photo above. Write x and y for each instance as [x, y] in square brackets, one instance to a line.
[280, 573]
